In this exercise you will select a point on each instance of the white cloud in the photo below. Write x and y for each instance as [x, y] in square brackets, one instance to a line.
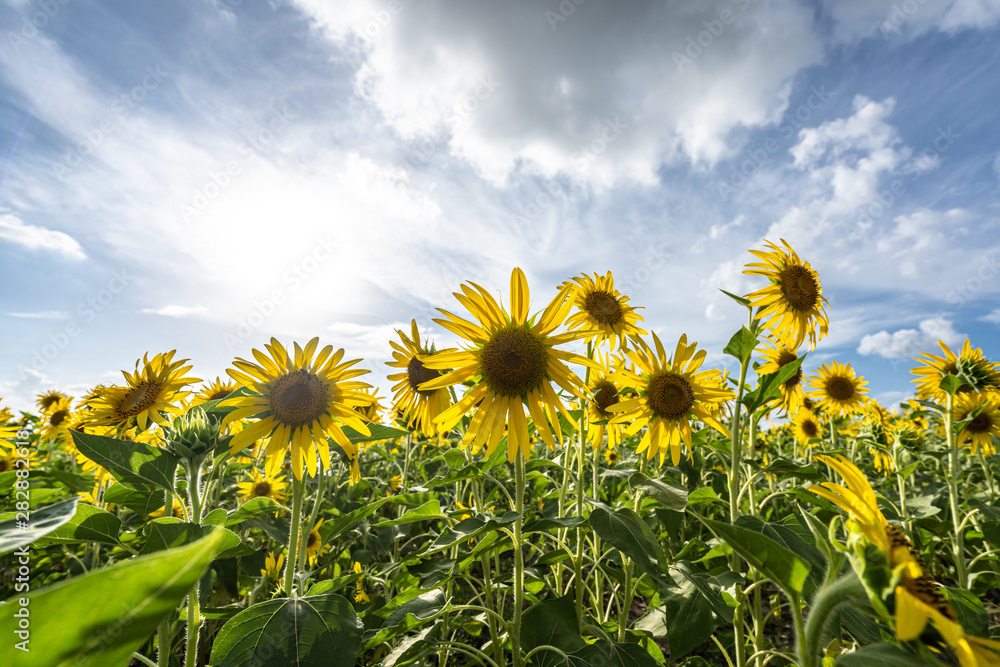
[16, 231]
[891, 19]
[910, 342]
[607, 95]
[993, 317]
[43, 315]
[177, 311]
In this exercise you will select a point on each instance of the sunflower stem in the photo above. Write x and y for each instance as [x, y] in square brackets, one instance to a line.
[515, 635]
[988, 473]
[308, 527]
[735, 465]
[629, 590]
[294, 534]
[163, 643]
[900, 480]
[960, 574]
[578, 560]
[193, 467]
[809, 639]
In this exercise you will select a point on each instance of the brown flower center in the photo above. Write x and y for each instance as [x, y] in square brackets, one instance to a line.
[840, 389]
[603, 307]
[298, 398]
[262, 489]
[58, 417]
[605, 395]
[981, 423]
[670, 395]
[784, 359]
[513, 362]
[799, 288]
[810, 428]
[313, 541]
[138, 399]
[221, 393]
[417, 374]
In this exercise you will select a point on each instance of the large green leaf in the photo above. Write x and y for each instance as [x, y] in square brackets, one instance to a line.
[378, 432]
[407, 616]
[551, 623]
[689, 618]
[15, 532]
[320, 631]
[468, 529]
[89, 524]
[669, 495]
[880, 655]
[253, 508]
[144, 500]
[429, 510]
[626, 531]
[778, 563]
[741, 345]
[168, 532]
[101, 618]
[971, 612]
[133, 463]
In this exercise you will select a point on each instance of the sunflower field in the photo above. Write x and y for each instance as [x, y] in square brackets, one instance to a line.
[564, 488]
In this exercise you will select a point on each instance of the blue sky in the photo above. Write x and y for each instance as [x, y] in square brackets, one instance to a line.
[204, 175]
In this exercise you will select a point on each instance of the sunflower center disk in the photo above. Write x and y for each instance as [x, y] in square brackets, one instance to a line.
[786, 358]
[140, 398]
[298, 398]
[513, 362]
[262, 489]
[799, 288]
[58, 417]
[605, 395]
[417, 374]
[981, 423]
[840, 389]
[810, 429]
[670, 396]
[604, 307]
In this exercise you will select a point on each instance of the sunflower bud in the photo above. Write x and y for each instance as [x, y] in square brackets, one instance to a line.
[193, 434]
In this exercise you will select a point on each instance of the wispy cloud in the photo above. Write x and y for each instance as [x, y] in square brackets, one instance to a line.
[42, 315]
[32, 237]
[176, 311]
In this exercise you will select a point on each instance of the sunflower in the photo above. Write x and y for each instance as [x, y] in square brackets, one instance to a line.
[513, 361]
[602, 312]
[611, 457]
[264, 486]
[416, 407]
[395, 483]
[48, 399]
[216, 390]
[669, 394]
[9, 458]
[314, 544]
[776, 355]
[983, 409]
[807, 427]
[918, 599]
[361, 595]
[152, 392]
[7, 431]
[296, 403]
[793, 304]
[57, 420]
[177, 511]
[604, 394]
[272, 567]
[970, 364]
[838, 390]
[371, 412]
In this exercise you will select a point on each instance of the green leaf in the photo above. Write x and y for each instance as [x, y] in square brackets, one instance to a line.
[553, 523]
[784, 469]
[89, 524]
[769, 386]
[252, 508]
[741, 345]
[627, 532]
[319, 631]
[950, 383]
[705, 494]
[776, 562]
[213, 407]
[168, 532]
[101, 618]
[792, 541]
[669, 495]
[408, 615]
[971, 612]
[689, 619]
[133, 463]
[331, 529]
[426, 512]
[551, 623]
[467, 529]
[882, 654]
[685, 571]
[142, 500]
[41, 521]
[743, 301]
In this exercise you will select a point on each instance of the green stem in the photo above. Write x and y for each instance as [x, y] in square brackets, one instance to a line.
[294, 534]
[163, 642]
[629, 590]
[194, 602]
[515, 635]
[961, 575]
[900, 480]
[988, 473]
[829, 598]
[735, 464]
[307, 528]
